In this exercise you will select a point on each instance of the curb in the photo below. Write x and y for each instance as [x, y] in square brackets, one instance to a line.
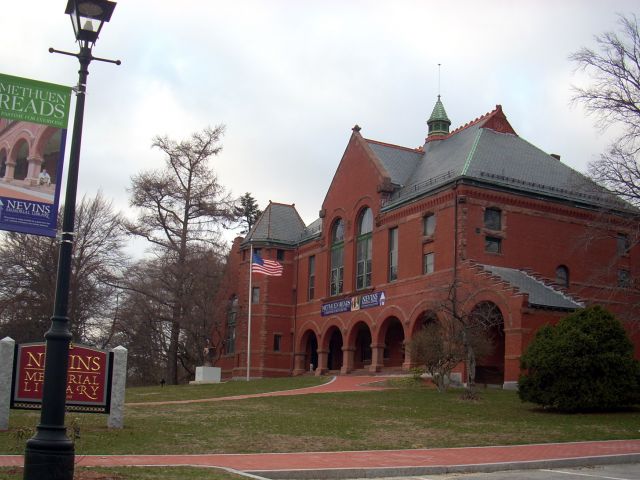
[382, 472]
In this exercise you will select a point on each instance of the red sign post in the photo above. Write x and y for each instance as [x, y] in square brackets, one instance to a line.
[88, 378]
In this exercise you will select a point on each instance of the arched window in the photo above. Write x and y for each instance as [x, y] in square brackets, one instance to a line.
[562, 276]
[336, 276]
[364, 249]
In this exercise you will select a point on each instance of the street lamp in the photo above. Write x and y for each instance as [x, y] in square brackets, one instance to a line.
[49, 454]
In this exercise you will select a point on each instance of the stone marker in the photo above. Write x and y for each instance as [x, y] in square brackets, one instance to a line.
[207, 375]
[118, 384]
[7, 347]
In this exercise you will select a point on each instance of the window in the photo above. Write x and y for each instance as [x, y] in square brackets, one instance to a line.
[562, 276]
[255, 295]
[337, 258]
[279, 254]
[257, 251]
[493, 245]
[622, 244]
[429, 224]
[363, 249]
[230, 334]
[493, 219]
[277, 341]
[393, 254]
[624, 278]
[428, 262]
[312, 277]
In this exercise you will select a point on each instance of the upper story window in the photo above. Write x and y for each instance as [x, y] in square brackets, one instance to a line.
[428, 262]
[562, 276]
[622, 244]
[429, 224]
[230, 333]
[336, 276]
[493, 219]
[493, 244]
[280, 254]
[255, 295]
[393, 254]
[364, 245]
[624, 278]
[311, 278]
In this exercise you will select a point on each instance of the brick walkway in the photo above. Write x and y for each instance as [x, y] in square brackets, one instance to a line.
[375, 462]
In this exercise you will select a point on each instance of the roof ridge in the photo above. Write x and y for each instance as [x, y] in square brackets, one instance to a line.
[391, 145]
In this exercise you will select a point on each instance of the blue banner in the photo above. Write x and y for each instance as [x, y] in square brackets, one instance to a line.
[33, 122]
[359, 302]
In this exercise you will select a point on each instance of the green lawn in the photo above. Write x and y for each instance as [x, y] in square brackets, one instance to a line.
[390, 419]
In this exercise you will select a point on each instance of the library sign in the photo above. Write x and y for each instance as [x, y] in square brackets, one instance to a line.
[88, 378]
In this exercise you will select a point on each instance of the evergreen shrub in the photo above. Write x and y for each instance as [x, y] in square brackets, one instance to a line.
[584, 363]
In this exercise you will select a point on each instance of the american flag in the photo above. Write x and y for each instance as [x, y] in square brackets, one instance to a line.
[267, 267]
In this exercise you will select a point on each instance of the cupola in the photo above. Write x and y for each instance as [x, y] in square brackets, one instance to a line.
[438, 122]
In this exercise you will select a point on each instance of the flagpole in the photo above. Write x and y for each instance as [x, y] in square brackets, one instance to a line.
[249, 313]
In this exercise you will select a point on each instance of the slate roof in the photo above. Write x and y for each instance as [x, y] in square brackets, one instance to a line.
[279, 223]
[399, 162]
[540, 294]
[481, 153]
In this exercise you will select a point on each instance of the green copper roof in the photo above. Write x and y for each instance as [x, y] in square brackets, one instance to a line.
[438, 121]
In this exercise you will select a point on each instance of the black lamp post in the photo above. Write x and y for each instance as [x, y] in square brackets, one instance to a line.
[49, 454]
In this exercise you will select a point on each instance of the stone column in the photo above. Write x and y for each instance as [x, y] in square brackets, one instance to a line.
[298, 363]
[7, 348]
[10, 170]
[377, 357]
[118, 384]
[407, 364]
[347, 359]
[33, 170]
[323, 357]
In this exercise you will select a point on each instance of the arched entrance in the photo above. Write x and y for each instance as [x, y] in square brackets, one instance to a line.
[51, 154]
[22, 164]
[334, 358]
[310, 352]
[424, 319]
[393, 343]
[488, 319]
[362, 353]
[3, 163]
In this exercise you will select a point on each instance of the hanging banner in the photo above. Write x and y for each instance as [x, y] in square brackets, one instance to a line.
[33, 130]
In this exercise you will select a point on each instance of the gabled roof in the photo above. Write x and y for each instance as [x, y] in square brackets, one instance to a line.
[279, 223]
[540, 294]
[489, 151]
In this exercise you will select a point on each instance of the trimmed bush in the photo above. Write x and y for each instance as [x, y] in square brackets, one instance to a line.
[584, 363]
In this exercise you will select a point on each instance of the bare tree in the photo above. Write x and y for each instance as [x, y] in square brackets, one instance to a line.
[28, 265]
[614, 97]
[439, 348]
[181, 210]
[476, 326]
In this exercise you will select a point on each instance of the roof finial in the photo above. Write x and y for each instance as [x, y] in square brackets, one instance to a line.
[439, 65]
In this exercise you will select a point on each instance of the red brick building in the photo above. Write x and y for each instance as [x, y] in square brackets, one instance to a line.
[479, 208]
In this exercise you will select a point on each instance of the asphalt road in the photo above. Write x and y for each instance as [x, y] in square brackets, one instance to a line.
[630, 471]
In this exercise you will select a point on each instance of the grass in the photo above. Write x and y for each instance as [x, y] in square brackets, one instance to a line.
[413, 417]
[137, 473]
[215, 390]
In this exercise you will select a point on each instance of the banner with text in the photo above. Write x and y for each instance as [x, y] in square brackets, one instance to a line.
[359, 302]
[88, 378]
[33, 130]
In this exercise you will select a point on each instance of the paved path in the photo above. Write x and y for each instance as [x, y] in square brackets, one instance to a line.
[336, 384]
[372, 463]
[385, 463]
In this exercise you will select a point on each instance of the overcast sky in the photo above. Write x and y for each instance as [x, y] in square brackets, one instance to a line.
[289, 79]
